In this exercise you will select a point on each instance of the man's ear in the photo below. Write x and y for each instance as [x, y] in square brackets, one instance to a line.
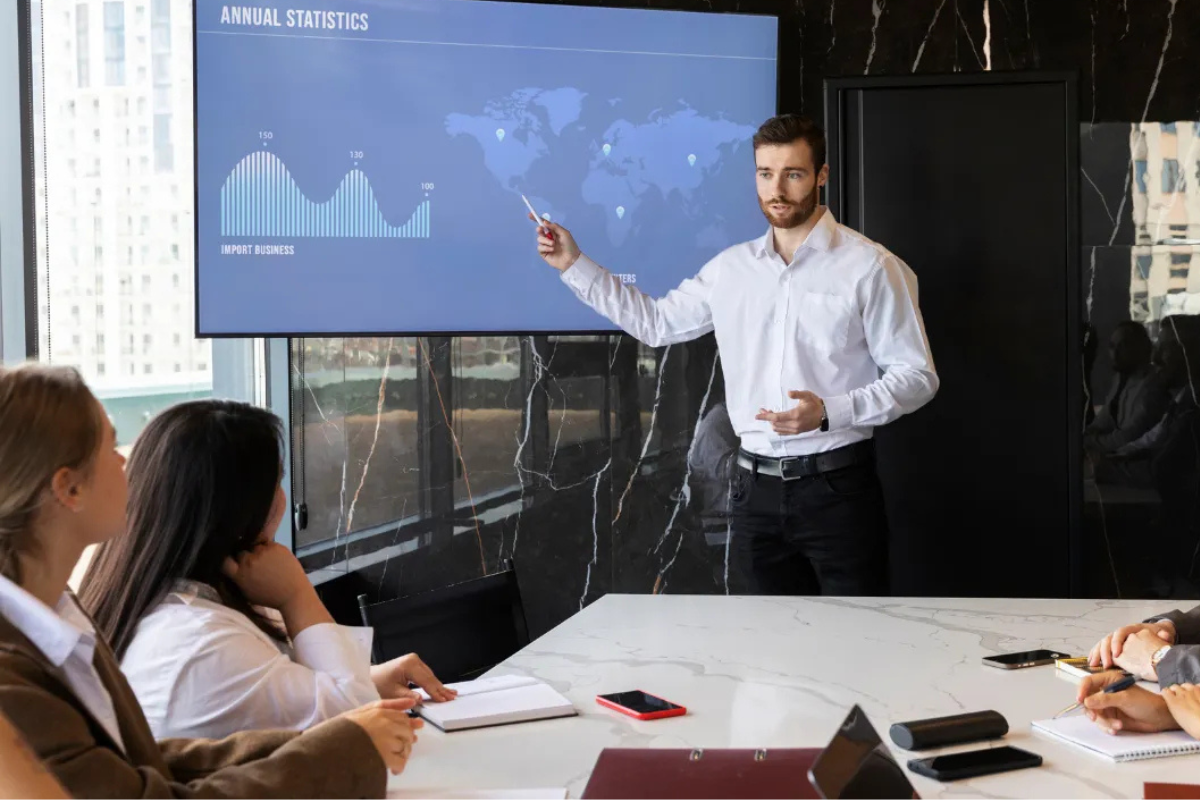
[823, 175]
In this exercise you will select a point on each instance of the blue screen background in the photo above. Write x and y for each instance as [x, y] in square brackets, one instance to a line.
[388, 163]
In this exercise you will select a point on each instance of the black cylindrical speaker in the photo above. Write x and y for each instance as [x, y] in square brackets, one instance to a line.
[942, 731]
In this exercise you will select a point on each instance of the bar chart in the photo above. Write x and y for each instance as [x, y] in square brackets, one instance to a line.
[260, 198]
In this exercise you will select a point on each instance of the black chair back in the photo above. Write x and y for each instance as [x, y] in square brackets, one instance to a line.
[460, 631]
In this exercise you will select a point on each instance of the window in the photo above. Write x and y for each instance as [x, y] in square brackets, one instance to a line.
[83, 125]
[83, 72]
[175, 252]
[164, 154]
[145, 283]
[160, 26]
[114, 42]
[175, 281]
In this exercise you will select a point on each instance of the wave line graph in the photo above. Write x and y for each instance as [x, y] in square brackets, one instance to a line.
[260, 198]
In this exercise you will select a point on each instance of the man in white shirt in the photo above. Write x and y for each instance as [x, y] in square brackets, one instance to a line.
[813, 316]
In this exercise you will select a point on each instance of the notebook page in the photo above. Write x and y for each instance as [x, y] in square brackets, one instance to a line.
[1082, 732]
[482, 685]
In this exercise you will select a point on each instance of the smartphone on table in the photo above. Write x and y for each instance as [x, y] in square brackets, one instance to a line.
[1026, 658]
[974, 763]
[641, 705]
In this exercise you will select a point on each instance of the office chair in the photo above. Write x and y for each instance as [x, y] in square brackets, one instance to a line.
[460, 631]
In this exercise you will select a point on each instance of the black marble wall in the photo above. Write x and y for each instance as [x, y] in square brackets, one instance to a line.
[423, 462]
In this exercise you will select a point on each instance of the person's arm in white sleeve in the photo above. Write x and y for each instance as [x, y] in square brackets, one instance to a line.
[896, 339]
[682, 315]
[234, 680]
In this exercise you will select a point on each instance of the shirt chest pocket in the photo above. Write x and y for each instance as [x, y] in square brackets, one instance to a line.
[823, 322]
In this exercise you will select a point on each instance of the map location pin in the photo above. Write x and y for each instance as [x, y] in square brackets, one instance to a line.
[500, 134]
[620, 212]
[607, 148]
[692, 160]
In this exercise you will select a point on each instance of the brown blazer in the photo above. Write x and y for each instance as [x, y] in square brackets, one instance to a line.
[333, 759]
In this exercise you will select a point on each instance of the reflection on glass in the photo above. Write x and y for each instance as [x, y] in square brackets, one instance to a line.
[355, 435]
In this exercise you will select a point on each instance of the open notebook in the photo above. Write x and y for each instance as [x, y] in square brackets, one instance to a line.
[496, 701]
[1082, 732]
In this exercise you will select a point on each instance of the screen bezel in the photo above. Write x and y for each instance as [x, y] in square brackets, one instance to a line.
[672, 5]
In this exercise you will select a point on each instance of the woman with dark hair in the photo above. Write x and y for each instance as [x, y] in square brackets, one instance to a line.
[64, 489]
[221, 630]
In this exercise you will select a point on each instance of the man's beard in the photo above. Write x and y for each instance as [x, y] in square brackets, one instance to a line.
[796, 215]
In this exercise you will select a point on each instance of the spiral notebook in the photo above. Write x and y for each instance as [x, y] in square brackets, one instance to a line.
[1082, 732]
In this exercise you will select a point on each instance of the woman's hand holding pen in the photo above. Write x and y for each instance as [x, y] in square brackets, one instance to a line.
[1134, 709]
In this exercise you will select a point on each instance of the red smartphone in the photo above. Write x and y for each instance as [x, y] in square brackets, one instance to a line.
[641, 705]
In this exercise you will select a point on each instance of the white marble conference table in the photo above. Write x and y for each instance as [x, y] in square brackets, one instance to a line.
[763, 672]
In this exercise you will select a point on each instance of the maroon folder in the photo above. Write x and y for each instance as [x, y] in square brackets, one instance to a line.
[703, 774]
[1153, 791]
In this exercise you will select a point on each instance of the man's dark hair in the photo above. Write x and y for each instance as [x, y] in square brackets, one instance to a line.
[788, 128]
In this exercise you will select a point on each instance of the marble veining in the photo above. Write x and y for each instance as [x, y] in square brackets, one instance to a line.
[782, 672]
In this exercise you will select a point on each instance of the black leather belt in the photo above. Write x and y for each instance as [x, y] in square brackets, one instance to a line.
[791, 468]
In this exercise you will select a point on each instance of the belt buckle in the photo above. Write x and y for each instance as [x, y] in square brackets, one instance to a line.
[785, 468]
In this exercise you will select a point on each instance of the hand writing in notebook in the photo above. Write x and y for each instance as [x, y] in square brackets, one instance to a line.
[1134, 710]
[1183, 700]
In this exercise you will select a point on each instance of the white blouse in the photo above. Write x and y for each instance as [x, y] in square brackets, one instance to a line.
[203, 670]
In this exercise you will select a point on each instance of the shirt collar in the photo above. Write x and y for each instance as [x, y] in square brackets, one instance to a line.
[819, 238]
[57, 631]
[189, 589]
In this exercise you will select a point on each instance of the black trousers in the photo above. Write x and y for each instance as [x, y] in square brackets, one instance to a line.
[822, 534]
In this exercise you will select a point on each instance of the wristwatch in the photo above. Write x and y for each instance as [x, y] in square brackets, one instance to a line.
[824, 418]
[1158, 656]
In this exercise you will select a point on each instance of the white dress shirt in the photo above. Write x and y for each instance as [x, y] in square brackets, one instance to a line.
[67, 638]
[841, 320]
[203, 670]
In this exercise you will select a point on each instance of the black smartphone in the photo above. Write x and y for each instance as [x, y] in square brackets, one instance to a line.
[974, 763]
[1028, 658]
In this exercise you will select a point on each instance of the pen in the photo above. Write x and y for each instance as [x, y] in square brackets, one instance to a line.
[538, 217]
[1119, 686]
